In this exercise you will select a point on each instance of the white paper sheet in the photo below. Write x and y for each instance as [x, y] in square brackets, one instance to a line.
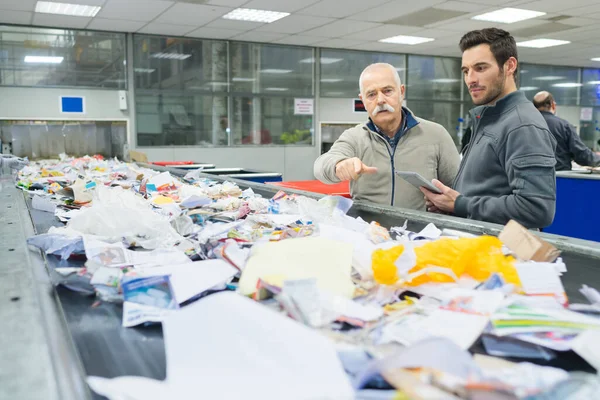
[327, 260]
[227, 338]
[541, 279]
[191, 279]
[136, 314]
[587, 345]
[43, 204]
[195, 201]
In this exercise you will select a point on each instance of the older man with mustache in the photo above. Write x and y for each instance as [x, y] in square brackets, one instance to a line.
[393, 139]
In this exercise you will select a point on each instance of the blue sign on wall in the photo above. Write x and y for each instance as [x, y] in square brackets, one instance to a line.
[72, 104]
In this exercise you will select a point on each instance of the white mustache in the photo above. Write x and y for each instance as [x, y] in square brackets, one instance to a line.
[383, 107]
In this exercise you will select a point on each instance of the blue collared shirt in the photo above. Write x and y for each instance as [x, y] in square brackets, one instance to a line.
[408, 121]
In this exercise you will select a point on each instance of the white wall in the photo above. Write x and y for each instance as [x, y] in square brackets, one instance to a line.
[339, 110]
[44, 103]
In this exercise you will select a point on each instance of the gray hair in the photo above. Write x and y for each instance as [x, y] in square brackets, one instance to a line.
[379, 65]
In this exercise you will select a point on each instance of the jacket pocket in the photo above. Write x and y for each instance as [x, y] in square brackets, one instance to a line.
[535, 176]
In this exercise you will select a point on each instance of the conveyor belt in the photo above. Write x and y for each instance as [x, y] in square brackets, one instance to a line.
[106, 349]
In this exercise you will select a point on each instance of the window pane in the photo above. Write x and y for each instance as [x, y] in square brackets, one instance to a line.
[181, 120]
[341, 69]
[433, 78]
[445, 114]
[560, 81]
[590, 91]
[262, 68]
[56, 57]
[269, 120]
[177, 64]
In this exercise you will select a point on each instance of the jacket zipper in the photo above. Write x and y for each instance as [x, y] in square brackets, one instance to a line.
[387, 145]
[476, 122]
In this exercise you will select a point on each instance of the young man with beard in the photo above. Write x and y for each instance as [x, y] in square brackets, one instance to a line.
[508, 168]
[393, 139]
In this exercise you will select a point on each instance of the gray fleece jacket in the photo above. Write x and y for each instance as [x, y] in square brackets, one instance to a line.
[508, 169]
[425, 147]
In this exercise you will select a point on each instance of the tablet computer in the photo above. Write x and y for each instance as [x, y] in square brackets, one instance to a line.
[417, 180]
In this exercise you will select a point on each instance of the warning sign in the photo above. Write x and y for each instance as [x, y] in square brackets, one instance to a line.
[304, 106]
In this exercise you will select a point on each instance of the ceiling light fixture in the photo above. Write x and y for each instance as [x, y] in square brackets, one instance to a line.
[74, 10]
[445, 80]
[171, 56]
[144, 70]
[567, 84]
[549, 78]
[331, 80]
[324, 60]
[542, 43]
[240, 79]
[277, 89]
[410, 40]
[253, 15]
[595, 59]
[43, 60]
[528, 88]
[593, 83]
[508, 15]
[275, 71]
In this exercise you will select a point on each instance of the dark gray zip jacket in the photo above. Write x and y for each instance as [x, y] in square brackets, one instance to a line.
[508, 170]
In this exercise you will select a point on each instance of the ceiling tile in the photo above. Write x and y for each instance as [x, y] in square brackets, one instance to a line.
[16, 17]
[255, 36]
[295, 24]
[341, 28]
[213, 33]
[394, 9]
[462, 6]
[60, 21]
[191, 14]
[134, 10]
[579, 21]
[382, 32]
[227, 3]
[279, 5]
[335, 9]
[560, 7]
[18, 5]
[463, 25]
[222, 23]
[166, 29]
[116, 25]
[339, 43]
[299, 40]
[83, 2]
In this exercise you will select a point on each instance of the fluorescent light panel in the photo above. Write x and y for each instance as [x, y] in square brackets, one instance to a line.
[595, 59]
[240, 79]
[567, 84]
[528, 88]
[445, 80]
[549, 78]
[593, 83]
[324, 60]
[275, 71]
[411, 40]
[43, 60]
[171, 56]
[542, 43]
[509, 15]
[250, 14]
[331, 80]
[276, 89]
[74, 10]
[144, 70]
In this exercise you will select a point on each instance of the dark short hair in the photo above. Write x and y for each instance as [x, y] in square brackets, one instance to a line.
[544, 103]
[502, 44]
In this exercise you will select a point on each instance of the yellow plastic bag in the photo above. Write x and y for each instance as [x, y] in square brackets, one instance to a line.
[478, 257]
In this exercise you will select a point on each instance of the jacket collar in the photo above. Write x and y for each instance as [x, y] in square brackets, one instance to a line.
[408, 122]
[504, 104]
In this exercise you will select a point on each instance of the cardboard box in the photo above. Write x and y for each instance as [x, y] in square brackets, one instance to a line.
[138, 156]
[526, 245]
